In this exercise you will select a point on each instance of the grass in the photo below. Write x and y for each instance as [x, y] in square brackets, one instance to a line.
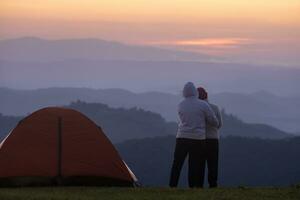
[92, 193]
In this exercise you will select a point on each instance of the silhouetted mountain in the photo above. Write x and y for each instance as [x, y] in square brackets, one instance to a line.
[118, 123]
[21, 102]
[37, 49]
[233, 126]
[262, 107]
[122, 124]
[243, 161]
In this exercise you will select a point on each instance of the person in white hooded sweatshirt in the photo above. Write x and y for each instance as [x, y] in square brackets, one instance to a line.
[193, 115]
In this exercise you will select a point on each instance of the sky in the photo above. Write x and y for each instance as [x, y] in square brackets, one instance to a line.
[240, 29]
[262, 37]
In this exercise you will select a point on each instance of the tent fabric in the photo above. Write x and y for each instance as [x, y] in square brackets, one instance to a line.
[60, 142]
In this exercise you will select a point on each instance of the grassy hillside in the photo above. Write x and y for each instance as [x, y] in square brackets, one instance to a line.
[91, 193]
[243, 161]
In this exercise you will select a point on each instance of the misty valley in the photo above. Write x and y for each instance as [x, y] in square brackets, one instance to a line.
[250, 154]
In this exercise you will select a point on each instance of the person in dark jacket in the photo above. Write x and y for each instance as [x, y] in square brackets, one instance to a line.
[211, 141]
[194, 115]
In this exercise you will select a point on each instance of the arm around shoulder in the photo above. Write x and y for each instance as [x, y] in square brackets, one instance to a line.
[211, 117]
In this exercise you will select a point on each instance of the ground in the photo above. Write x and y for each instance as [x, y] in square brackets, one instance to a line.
[91, 193]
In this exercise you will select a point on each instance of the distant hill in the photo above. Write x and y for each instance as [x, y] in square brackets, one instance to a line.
[123, 124]
[243, 161]
[260, 107]
[233, 126]
[7, 123]
[119, 124]
[263, 107]
[38, 49]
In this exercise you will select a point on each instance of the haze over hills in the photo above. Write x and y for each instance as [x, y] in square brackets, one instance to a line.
[121, 124]
[30, 63]
[262, 107]
[141, 76]
[37, 63]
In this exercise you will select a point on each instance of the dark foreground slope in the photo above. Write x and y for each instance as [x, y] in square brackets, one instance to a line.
[91, 193]
[243, 161]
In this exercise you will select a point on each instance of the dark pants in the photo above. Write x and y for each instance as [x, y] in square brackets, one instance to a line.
[212, 157]
[195, 150]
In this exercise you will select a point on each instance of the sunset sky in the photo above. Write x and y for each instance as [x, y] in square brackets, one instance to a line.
[217, 27]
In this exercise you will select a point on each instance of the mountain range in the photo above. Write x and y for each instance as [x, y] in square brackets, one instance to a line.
[121, 124]
[259, 107]
[27, 63]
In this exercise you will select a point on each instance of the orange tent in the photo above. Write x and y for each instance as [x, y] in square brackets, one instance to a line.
[61, 146]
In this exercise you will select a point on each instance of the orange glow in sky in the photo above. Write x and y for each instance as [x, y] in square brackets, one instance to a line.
[216, 42]
[275, 11]
[195, 23]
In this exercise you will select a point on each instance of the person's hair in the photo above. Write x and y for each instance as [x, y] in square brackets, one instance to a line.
[202, 93]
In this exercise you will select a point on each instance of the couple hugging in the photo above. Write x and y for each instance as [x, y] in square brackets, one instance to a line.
[197, 138]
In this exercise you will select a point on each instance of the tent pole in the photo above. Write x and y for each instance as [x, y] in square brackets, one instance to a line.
[59, 151]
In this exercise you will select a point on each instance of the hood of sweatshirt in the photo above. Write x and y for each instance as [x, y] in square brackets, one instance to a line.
[189, 90]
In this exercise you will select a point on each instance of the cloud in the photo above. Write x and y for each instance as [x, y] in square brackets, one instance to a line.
[206, 42]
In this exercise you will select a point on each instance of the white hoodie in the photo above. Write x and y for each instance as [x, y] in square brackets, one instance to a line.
[212, 132]
[193, 115]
